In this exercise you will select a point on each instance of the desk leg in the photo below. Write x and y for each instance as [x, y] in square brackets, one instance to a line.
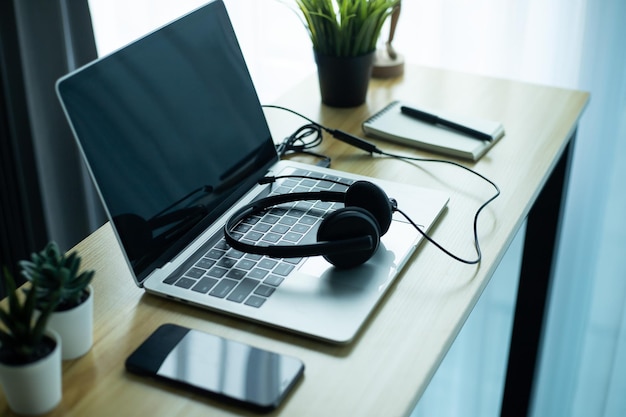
[542, 236]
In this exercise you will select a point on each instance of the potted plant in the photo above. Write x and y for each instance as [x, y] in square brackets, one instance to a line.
[51, 271]
[30, 356]
[344, 34]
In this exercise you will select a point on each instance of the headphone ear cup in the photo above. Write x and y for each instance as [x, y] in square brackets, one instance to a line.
[372, 198]
[346, 223]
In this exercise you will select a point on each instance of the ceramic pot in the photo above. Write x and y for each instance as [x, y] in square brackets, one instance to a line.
[344, 80]
[34, 388]
[75, 326]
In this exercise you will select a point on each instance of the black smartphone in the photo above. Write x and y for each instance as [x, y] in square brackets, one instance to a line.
[220, 368]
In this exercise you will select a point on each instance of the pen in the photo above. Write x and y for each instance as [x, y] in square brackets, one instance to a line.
[436, 120]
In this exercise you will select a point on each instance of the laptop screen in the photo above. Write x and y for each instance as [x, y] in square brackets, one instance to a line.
[172, 131]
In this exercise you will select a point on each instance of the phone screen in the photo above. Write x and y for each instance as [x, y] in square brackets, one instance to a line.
[219, 367]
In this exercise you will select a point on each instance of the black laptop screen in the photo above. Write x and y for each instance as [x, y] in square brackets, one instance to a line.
[172, 131]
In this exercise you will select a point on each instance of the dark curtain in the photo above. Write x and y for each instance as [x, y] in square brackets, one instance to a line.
[46, 194]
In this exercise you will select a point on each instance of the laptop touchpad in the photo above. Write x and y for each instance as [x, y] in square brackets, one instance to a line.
[375, 272]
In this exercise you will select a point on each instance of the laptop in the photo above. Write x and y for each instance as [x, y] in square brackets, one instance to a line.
[175, 139]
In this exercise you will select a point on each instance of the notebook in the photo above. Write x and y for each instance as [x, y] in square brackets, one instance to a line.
[176, 140]
[390, 124]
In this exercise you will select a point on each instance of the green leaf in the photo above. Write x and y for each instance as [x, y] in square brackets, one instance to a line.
[347, 27]
[52, 272]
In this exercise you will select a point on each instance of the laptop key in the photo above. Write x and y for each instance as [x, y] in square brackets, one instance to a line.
[205, 263]
[185, 282]
[222, 245]
[204, 285]
[277, 211]
[215, 253]
[258, 273]
[243, 228]
[195, 273]
[271, 237]
[264, 290]
[227, 262]
[245, 287]
[295, 212]
[304, 205]
[281, 190]
[270, 219]
[251, 220]
[300, 228]
[280, 229]
[236, 273]
[255, 301]
[323, 205]
[308, 220]
[339, 188]
[288, 221]
[274, 280]
[267, 263]
[222, 289]
[288, 182]
[246, 264]
[300, 171]
[234, 253]
[254, 236]
[262, 227]
[283, 269]
[293, 261]
[217, 272]
[293, 237]
[171, 279]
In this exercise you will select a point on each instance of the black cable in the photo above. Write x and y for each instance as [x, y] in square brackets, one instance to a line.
[373, 149]
[297, 142]
[480, 209]
[313, 122]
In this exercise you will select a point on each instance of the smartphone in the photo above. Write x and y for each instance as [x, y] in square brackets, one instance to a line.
[219, 368]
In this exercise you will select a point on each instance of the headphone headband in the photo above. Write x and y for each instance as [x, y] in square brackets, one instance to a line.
[293, 251]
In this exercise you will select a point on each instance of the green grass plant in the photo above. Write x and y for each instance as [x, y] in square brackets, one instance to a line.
[345, 27]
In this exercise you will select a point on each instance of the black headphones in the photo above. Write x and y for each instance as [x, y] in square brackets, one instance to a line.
[332, 244]
[346, 238]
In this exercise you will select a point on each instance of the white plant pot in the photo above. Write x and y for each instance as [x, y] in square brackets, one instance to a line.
[34, 388]
[75, 326]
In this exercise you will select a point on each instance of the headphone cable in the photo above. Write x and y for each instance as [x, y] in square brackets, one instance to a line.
[297, 143]
[373, 149]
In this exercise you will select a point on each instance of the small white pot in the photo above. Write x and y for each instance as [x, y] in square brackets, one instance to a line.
[75, 326]
[34, 388]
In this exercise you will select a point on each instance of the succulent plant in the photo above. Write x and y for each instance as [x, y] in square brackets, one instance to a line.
[51, 271]
[22, 335]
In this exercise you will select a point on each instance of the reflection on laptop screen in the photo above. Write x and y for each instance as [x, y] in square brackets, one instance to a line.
[172, 130]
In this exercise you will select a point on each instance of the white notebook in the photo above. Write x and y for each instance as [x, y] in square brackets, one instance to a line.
[392, 125]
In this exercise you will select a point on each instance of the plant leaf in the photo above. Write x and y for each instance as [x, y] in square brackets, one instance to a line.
[347, 27]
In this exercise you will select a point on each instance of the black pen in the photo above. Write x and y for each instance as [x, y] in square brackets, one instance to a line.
[436, 120]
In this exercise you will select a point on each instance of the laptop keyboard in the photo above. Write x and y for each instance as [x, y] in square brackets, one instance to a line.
[250, 279]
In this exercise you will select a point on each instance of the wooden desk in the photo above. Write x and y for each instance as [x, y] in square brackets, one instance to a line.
[385, 371]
